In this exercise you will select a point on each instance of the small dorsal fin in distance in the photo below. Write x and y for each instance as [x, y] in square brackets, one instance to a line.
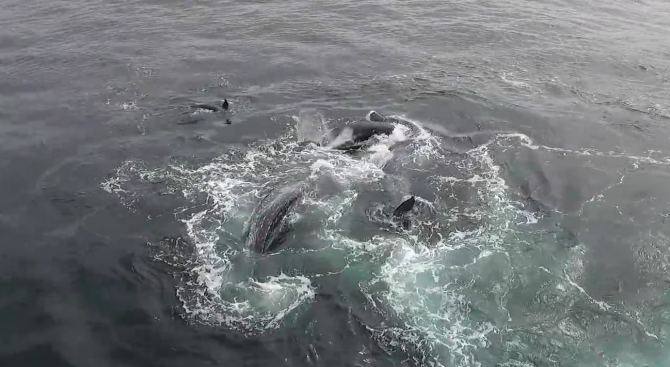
[225, 104]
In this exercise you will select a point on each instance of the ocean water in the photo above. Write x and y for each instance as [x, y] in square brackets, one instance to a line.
[536, 133]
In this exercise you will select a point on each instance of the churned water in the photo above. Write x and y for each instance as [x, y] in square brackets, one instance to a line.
[534, 134]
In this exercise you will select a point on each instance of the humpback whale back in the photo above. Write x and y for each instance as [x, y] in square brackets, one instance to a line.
[212, 107]
[364, 130]
[353, 135]
[267, 227]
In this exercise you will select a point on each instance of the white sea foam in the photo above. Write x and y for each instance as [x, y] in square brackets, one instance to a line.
[450, 297]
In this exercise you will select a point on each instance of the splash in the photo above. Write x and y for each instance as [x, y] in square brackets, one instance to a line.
[482, 283]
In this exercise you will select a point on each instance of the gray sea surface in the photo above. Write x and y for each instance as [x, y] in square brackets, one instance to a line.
[538, 130]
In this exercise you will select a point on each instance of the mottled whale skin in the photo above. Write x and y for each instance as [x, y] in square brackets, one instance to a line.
[268, 227]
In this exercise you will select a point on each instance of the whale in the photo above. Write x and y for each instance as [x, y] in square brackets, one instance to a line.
[360, 132]
[194, 118]
[404, 207]
[402, 214]
[212, 107]
[355, 135]
[412, 210]
[268, 227]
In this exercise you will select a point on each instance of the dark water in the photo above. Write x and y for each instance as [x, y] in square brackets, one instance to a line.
[91, 96]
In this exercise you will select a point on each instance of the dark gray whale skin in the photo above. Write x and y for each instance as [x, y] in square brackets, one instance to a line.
[402, 214]
[412, 211]
[267, 227]
[404, 207]
[362, 131]
[194, 119]
[212, 107]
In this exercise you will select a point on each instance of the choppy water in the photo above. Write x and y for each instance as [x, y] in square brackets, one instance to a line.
[538, 131]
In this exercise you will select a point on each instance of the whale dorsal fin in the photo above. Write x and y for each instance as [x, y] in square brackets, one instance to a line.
[404, 207]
